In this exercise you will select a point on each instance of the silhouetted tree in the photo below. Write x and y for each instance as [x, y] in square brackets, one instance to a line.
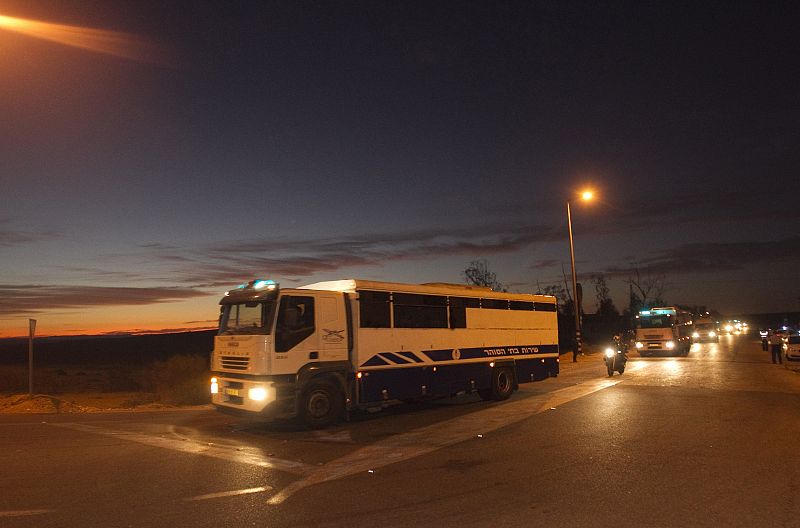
[479, 274]
[607, 320]
[648, 286]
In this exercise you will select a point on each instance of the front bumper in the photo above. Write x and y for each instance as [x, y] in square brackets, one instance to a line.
[244, 396]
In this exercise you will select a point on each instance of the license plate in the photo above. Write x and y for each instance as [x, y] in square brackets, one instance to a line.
[232, 392]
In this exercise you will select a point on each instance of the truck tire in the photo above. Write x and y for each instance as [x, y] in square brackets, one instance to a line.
[321, 404]
[502, 385]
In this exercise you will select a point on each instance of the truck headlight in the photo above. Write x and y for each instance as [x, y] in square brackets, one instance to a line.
[609, 352]
[712, 334]
[257, 394]
[214, 386]
[697, 334]
[639, 344]
[670, 344]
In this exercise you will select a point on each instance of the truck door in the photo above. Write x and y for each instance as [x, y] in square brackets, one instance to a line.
[296, 335]
[332, 326]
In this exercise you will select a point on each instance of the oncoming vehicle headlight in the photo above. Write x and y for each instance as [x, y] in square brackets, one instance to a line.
[712, 334]
[670, 344]
[639, 344]
[257, 394]
[697, 334]
[609, 352]
[214, 386]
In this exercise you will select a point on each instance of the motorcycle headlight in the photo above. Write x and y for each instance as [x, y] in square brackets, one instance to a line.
[670, 344]
[609, 352]
[639, 344]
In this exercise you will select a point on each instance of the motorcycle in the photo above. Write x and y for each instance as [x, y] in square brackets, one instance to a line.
[615, 357]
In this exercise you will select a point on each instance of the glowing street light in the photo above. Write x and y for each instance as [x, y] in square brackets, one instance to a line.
[116, 43]
[586, 196]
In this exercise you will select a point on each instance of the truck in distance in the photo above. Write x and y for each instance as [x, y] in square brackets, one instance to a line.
[705, 328]
[321, 350]
[663, 330]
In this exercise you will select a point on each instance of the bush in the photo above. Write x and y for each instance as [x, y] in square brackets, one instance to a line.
[13, 379]
[181, 380]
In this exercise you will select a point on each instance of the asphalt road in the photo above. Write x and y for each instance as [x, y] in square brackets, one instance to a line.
[707, 440]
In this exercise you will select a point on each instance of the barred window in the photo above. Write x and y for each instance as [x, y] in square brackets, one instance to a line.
[458, 310]
[373, 309]
[419, 311]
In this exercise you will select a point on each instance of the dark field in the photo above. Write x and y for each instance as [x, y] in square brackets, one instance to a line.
[169, 368]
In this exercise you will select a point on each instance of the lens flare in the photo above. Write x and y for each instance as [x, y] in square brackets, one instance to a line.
[118, 44]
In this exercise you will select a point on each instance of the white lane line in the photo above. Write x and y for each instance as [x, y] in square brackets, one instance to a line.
[342, 437]
[230, 493]
[433, 437]
[250, 456]
[23, 513]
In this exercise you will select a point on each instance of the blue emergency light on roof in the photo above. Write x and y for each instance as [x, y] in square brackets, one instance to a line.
[657, 311]
[261, 284]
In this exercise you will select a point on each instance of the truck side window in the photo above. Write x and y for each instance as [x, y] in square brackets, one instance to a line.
[374, 309]
[419, 311]
[295, 322]
[458, 310]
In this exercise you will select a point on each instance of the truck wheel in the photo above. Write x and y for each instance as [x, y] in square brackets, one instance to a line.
[321, 404]
[502, 385]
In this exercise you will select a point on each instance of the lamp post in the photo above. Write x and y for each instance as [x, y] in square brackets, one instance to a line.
[576, 305]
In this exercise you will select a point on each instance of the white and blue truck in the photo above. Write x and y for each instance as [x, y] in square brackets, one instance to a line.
[319, 351]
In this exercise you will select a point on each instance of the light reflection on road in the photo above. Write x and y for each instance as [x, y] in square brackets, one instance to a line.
[716, 366]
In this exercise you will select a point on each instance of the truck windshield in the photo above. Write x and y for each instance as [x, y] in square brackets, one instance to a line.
[247, 318]
[662, 321]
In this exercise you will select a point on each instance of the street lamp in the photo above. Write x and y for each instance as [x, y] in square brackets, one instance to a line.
[586, 196]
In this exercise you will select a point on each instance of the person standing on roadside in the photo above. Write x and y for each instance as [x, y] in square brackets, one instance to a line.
[574, 349]
[776, 347]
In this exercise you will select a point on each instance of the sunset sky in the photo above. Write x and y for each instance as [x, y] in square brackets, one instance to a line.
[155, 154]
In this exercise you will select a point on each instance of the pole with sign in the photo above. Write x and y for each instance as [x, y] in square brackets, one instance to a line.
[32, 331]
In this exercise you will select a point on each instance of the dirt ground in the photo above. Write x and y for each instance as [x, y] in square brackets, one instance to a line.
[82, 403]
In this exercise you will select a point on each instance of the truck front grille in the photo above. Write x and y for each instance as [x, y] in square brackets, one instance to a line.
[235, 362]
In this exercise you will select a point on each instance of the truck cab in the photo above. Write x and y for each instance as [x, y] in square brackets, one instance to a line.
[272, 343]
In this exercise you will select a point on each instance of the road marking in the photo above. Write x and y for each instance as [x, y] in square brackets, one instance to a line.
[23, 513]
[433, 437]
[246, 455]
[230, 493]
[342, 437]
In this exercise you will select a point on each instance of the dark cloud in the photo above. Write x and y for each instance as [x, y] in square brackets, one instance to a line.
[544, 264]
[620, 214]
[714, 256]
[15, 237]
[219, 265]
[31, 299]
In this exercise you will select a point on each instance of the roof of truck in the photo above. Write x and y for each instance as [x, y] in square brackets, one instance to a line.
[436, 288]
